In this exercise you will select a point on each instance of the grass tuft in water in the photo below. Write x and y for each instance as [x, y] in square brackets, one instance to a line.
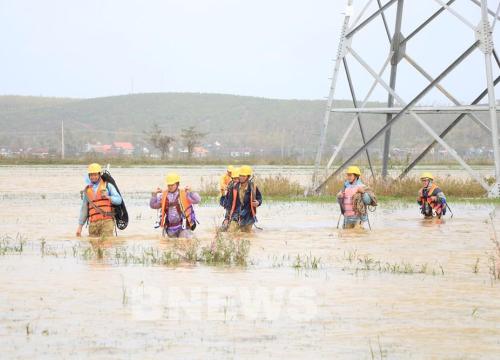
[29, 329]
[494, 269]
[306, 262]
[367, 263]
[9, 245]
[124, 293]
[225, 250]
[475, 267]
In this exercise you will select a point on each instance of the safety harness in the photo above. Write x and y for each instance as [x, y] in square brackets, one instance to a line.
[253, 209]
[184, 207]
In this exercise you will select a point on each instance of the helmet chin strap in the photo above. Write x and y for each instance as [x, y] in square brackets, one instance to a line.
[95, 182]
[354, 180]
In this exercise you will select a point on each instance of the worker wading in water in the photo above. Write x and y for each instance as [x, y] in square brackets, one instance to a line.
[224, 182]
[241, 202]
[235, 179]
[354, 198]
[177, 217]
[98, 197]
[431, 199]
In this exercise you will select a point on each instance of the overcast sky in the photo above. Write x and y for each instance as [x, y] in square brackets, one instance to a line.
[267, 48]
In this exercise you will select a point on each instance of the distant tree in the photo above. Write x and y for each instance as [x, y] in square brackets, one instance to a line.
[73, 144]
[160, 141]
[191, 138]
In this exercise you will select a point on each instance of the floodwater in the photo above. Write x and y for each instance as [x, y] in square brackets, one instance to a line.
[406, 289]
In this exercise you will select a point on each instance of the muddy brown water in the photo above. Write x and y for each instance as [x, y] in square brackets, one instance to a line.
[358, 303]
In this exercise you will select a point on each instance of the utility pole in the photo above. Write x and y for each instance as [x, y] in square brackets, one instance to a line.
[62, 139]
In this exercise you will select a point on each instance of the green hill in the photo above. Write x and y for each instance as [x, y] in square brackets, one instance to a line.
[238, 122]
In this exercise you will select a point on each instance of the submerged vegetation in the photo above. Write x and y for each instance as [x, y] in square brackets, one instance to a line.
[273, 186]
[494, 260]
[306, 262]
[297, 262]
[9, 245]
[223, 250]
[409, 186]
[367, 263]
[283, 188]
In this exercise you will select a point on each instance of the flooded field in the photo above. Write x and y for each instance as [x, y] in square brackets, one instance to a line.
[406, 289]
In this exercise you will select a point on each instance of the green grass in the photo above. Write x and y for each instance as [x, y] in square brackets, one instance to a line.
[282, 188]
[358, 263]
[10, 245]
[125, 162]
[225, 250]
[306, 262]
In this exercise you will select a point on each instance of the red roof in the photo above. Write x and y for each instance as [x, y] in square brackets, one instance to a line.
[123, 145]
[200, 150]
[101, 148]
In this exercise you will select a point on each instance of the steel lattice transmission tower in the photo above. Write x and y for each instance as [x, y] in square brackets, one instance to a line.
[396, 106]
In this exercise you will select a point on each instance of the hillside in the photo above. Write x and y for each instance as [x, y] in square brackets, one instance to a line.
[238, 122]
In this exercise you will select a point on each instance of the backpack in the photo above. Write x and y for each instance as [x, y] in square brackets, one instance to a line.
[121, 214]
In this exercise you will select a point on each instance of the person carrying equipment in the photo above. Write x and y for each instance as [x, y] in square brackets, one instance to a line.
[99, 197]
[431, 198]
[354, 198]
[224, 182]
[242, 199]
[177, 217]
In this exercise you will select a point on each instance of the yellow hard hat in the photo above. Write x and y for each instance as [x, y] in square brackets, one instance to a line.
[172, 179]
[426, 175]
[94, 168]
[354, 170]
[235, 173]
[246, 170]
[230, 168]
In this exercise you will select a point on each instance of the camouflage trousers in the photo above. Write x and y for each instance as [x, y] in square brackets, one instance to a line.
[234, 227]
[100, 228]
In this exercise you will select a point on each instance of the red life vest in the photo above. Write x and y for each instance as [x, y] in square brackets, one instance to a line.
[347, 200]
[436, 206]
[183, 205]
[103, 204]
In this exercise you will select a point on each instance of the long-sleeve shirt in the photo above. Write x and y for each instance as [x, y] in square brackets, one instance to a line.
[437, 192]
[174, 217]
[366, 200]
[115, 198]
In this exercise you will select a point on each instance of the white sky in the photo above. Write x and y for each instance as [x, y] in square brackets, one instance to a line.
[266, 48]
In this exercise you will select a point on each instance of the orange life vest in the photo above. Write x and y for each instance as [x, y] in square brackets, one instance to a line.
[103, 209]
[236, 195]
[184, 207]
[437, 207]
